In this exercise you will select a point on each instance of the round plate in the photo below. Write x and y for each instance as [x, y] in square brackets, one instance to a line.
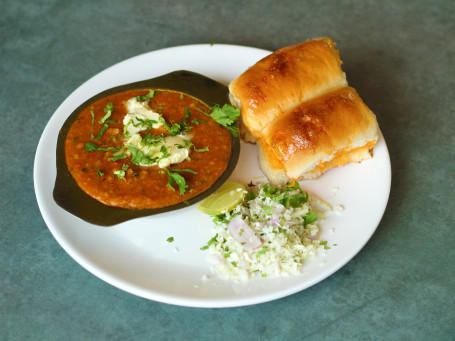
[135, 255]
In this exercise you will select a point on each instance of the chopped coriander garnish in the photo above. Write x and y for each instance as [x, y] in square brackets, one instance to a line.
[310, 218]
[261, 252]
[146, 97]
[90, 147]
[138, 157]
[170, 239]
[98, 172]
[175, 177]
[206, 149]
[93, 115]
[100, 134]
[226, 116]
[198, 121]
[210, 242]
[121, 172]
[108, 110]
[250, 196]
[119, 155]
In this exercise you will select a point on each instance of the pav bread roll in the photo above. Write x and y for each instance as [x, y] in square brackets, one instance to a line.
[325, 132]
[296, 104]
[282, 80]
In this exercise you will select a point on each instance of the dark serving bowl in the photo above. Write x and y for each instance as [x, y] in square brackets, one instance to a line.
[70, 197]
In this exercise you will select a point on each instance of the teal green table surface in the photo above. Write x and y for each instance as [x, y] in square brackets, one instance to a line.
[399, 55]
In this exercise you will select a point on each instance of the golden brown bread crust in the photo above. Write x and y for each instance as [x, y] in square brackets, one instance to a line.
[328, 131]
[284, 79]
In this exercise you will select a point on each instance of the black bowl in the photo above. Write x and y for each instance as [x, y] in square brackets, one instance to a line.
[70, 197]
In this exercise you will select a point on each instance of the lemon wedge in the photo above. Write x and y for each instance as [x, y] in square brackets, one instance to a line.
[226, 198]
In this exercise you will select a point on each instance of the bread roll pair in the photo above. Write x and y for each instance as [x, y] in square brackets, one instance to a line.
[296, 104]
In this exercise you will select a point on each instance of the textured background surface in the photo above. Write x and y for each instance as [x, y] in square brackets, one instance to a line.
[397, 54]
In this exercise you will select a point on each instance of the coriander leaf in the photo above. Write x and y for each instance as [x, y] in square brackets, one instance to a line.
[174, 177]
[108, 110]
[170, 239]
[297, 200]
[98, 172]
[261, 252]
[187, 114]
[90, 147]
[109, 107]
[310, 218]
[210, 242]
[111, 121]
[198, 121]
[227, 117]
[100, 134]
[250, 196]
[206, 149]
[146, 97]
[184, 170]
[138, 157]
[179, 180]
[121, 172]
[93, 115]
[121, 154]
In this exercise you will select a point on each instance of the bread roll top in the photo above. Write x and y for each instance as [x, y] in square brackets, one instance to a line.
[284, 79]
[320, 133]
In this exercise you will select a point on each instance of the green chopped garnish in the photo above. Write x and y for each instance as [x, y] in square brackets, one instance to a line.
[170, 239]
[138, 157]
[198, 121]
[146, 97]
[121, 172]
[175, 177]
[108, 110]
[91, 147]
[100, 134]
[210, 242]
[98, 172]
[206, 149]
[311, 217]
[250, 196]
[261, 252]
[145, 123]
[119, 155]
[226, 116]
[93, 115]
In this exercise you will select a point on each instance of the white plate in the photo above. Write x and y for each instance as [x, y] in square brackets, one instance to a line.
[135, 256]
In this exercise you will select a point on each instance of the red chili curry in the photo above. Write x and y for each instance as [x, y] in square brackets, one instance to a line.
[95, 138]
